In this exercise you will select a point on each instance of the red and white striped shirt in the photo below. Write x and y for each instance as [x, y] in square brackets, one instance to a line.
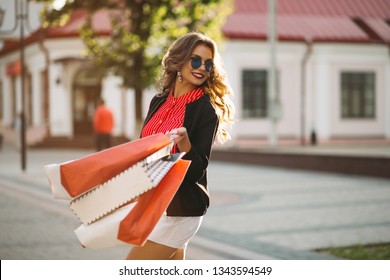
[171, 114]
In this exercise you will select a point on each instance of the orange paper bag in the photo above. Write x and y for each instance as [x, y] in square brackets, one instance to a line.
[83, 174]
[139, 223]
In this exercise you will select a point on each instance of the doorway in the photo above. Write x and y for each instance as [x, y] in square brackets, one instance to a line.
[86, 93]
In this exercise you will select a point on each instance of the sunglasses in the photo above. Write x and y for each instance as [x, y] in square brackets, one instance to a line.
[196, 62]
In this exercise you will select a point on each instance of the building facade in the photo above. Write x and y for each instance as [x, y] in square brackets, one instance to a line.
[333, 75]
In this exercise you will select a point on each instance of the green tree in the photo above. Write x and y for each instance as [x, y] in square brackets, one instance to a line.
[141, 32]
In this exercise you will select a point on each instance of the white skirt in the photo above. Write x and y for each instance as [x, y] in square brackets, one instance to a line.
[175, 232]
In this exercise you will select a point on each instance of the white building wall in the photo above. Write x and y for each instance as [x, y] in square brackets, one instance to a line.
[59, 104]
[233, 79]
[37, 116]
[122, 102]
[61, 82]
[334, 59]
[387, 97]
[35, 64]
[310, 86]
[6, 84]
[321, 96]
[18, 98]
[235, 62]
[289, 66]
[322, 105]
[241, 55]
[112, 94]
[129, 115]
[322, 99]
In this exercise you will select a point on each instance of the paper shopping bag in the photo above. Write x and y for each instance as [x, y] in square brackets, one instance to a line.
[81, 175]
[131, 224]
[121, 189]
[139, 223]
[104, 232]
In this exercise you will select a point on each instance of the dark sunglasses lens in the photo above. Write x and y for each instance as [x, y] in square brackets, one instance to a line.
[196, 62]
[209, 66]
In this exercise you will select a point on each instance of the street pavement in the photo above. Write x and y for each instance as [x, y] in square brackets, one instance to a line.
[256, 212]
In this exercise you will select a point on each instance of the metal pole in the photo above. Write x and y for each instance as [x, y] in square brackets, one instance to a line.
[21, 14]
[303, 88]
[272, 98]
[21, 18]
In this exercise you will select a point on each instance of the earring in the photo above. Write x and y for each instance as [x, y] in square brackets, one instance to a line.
[179, 76]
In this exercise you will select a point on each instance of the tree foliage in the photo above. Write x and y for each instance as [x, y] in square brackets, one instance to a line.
[141, 31]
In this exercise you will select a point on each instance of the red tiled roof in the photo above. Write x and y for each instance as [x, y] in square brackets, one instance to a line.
[254, 26]
[350, 8]
[100, 23]
[320, 20]
[380, 27]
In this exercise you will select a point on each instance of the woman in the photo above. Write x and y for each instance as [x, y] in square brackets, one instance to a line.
[193, 107]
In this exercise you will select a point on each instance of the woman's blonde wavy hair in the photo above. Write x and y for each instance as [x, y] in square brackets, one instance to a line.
[216, 86]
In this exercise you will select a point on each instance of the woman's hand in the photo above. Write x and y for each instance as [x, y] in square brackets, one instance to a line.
[180, 138]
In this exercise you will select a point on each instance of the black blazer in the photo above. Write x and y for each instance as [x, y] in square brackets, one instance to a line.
[201, 122]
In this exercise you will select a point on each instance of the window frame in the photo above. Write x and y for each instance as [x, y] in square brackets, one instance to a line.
[358, 95]
[259, 108]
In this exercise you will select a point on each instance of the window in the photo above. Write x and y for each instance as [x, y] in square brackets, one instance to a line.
[357, 95]
[254, 93]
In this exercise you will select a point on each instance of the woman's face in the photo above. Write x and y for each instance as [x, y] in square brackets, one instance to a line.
[197, 77]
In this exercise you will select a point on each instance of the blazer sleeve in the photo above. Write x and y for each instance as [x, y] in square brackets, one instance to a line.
[203, 127]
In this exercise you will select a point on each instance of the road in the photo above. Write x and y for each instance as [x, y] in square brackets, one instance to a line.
[256, 213]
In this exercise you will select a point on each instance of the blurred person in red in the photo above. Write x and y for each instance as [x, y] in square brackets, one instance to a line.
[103, 123]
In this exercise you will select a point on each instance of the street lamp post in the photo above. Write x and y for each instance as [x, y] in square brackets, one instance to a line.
[21, 15]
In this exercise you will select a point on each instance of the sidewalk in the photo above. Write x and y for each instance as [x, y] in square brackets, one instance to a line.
[256, 212]
[370, 148]
[358, 157]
